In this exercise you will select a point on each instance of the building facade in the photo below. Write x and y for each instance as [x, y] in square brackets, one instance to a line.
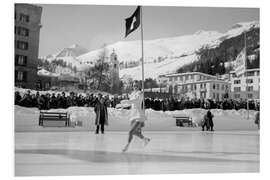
[27, 30]
[246, 86]
[196, 85]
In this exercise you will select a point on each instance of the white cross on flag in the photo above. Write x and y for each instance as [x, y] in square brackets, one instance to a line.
[240, 63]
[133, 22]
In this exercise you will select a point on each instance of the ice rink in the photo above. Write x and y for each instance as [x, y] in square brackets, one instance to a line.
[169, 152]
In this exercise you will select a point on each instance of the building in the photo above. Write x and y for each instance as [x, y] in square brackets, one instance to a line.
[45, 79]
[27, 29]
[114, 72]
[246, 86]
[196, 85]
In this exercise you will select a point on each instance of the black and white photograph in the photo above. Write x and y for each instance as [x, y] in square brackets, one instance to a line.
[135, 89]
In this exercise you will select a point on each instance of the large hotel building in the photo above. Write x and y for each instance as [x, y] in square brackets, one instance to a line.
[196, 85]
[246, 86]
[27, 29]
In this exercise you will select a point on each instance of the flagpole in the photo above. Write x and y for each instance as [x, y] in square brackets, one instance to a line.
[246, 73]
[142, 58]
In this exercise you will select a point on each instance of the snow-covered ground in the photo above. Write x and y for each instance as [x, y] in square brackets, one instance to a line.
[26, 119]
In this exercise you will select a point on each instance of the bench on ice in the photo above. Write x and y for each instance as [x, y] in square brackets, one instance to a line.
[54, 117]
[183, 119]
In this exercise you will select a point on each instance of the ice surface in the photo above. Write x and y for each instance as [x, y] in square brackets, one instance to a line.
[84, 153]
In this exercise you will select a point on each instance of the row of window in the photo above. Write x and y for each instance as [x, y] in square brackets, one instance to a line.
[22, 31]
[217, 86]
[238, 89]
[22, 17]
[238, 81]
[21, 45]
[20, 76]
[186, 77]
[237, 96]
[250, 73]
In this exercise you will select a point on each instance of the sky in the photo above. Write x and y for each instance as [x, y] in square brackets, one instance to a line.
[92, 26]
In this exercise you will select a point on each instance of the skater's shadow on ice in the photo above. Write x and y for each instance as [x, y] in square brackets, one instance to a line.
[128, 157]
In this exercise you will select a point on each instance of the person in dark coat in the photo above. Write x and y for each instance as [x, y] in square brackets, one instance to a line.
[26, 101]
[257, 119]
[205, 123]
[101, 113]
[17, 98]
[210, 117]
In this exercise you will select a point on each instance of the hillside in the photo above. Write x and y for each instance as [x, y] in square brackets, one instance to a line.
[197, 51]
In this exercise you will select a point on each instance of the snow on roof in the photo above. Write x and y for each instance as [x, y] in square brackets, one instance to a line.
[44, 72]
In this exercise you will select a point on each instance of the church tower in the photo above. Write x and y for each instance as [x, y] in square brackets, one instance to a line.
[114, 72]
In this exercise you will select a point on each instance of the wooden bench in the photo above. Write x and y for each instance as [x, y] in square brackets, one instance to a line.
[181, 120]
[54, 116]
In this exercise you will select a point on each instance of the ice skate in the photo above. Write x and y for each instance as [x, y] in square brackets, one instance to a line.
[125, 148]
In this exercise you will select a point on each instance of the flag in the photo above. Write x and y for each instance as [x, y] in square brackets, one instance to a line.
[133, 22]
[240, 63]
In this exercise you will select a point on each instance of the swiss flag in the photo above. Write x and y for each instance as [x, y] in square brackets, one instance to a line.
[133, 22]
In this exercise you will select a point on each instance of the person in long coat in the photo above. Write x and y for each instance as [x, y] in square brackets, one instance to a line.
[210, 117]
[101, 114]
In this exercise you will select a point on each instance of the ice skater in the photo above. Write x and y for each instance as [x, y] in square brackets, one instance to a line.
[137, 117]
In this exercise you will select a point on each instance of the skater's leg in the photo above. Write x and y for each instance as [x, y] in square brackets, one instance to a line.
[102, 128]
[132, 131]
[139, 134]
[97, 130]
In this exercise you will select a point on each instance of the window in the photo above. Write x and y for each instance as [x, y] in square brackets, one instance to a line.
[222, 87]
[22, 45]
[192, 77]
[233, 75]
[237, 89]
[22, 31]
[237, 81]
[217, 96]
[115, 66]
[186, 77]
[201, 86]
[170, 78]
[217, 86]
[24, 18]
[250, 73]
[175, 78]
[20, 75]
[181, 78]
[249, 80]
[20, 60]
[204, 85]
[249, 88]
[250, 96]
[237, 96]
[214, 86]
[195, 86]
[214, 96]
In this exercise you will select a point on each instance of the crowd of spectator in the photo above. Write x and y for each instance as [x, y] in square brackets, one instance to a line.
[63, 100]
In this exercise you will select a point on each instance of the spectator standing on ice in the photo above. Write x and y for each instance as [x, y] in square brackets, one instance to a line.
[101, 113]
[210, 117]
[138, 116]
[257, 119]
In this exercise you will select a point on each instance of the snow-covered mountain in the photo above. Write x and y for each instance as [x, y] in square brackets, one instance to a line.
[161, 56]
[69, 55]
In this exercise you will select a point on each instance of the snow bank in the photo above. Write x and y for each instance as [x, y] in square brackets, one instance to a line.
[26, 119]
